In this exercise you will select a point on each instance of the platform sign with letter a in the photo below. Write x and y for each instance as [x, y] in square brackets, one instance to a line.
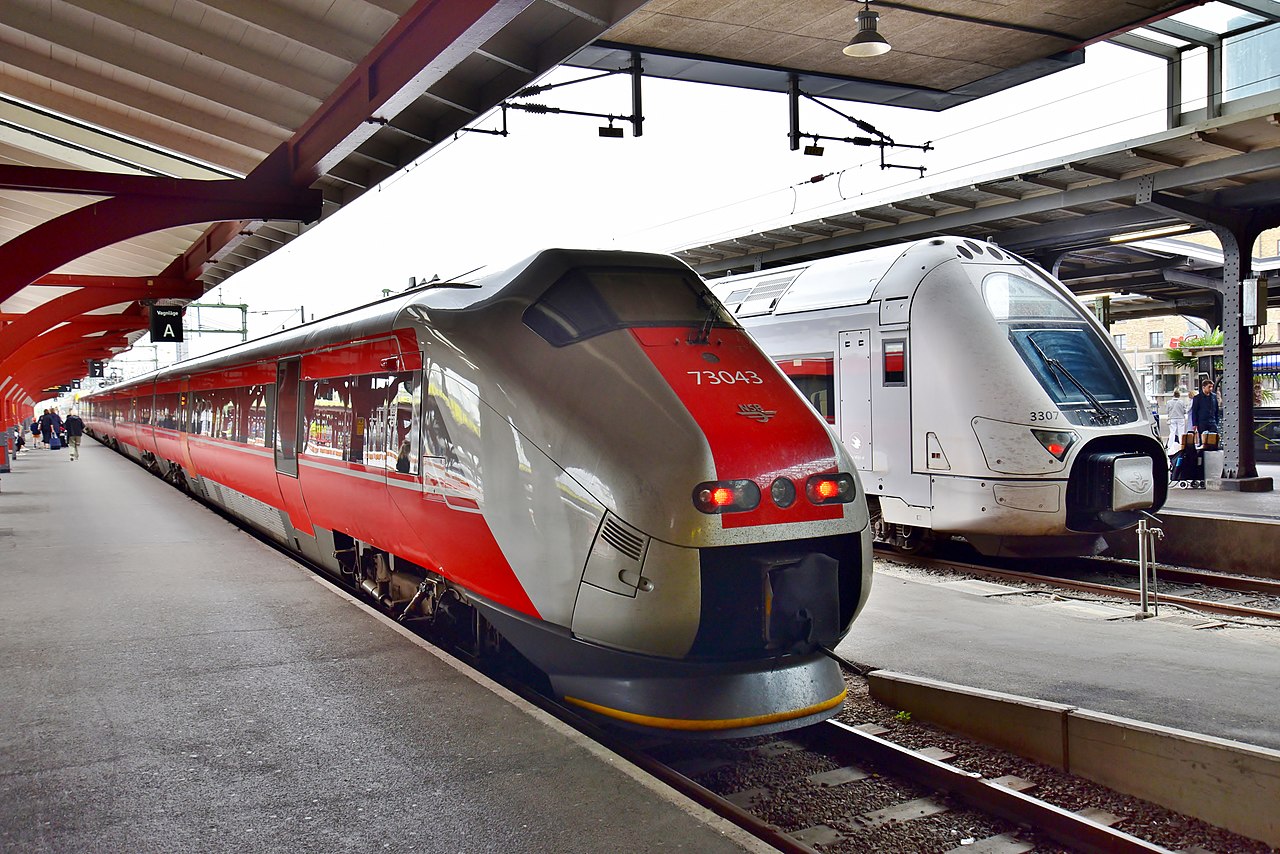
[166, 323]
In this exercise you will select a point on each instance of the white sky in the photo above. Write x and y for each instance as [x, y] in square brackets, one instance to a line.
[712, 161]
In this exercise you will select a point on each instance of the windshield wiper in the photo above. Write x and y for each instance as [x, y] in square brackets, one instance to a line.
[1104, 415]
[703, 334]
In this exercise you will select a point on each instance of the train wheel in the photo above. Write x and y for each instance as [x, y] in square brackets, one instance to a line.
[913, 541]
[880, 532]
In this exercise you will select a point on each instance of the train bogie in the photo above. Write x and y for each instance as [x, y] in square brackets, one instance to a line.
[583, 458]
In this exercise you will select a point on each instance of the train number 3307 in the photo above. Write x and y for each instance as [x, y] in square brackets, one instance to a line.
[1043, 415]
[726, 377]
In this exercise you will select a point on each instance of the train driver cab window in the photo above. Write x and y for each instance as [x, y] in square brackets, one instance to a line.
[590, 301]
[1070, 359]
[895, 363]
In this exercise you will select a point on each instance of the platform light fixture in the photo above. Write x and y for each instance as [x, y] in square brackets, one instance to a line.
[867, 41]
[1149, 233]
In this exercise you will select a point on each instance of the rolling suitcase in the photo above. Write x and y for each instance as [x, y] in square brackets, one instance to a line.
[55, 444]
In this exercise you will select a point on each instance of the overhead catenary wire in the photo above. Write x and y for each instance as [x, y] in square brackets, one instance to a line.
[986, 125]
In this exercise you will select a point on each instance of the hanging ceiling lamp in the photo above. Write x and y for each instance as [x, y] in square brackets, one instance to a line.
[867, 41]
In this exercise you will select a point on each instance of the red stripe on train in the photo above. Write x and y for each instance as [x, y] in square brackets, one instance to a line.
[758, 427]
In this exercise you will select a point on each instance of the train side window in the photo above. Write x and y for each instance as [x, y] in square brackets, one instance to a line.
[815, 379]
[895, 363]
[328, 418]
[203, 404]
[404, 439]
[225, 414]
[257, 415]
[166, 415]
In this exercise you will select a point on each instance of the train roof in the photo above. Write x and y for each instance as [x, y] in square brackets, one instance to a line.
[837, 281]
[382, 316]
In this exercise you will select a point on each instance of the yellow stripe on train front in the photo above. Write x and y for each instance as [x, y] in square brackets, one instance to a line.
[693, 725]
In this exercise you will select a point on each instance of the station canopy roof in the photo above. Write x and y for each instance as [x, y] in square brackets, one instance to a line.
[1079, 216]
[151, 148]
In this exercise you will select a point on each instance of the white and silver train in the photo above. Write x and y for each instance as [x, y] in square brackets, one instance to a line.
[975, 394]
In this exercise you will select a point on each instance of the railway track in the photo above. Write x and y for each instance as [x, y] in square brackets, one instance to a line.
[1248, 597]
[853, 785]
[875, 795]
[845, 786]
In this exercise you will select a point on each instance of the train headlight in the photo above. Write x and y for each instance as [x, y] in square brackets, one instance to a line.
[783, 492]
[1056, 442]
[726, 496]
[830, 488]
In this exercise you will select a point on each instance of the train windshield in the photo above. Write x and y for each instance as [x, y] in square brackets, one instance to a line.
[1072, 362]
[589, 301]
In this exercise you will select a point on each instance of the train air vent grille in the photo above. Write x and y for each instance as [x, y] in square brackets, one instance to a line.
[765, 296]
[735, 298]
[629, 543]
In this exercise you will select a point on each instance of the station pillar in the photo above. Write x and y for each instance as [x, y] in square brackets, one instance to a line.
[1237, 228]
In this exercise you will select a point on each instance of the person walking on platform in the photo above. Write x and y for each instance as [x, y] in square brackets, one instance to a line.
[1177, 418]
[55, 428]
[1205, 410]
[35, 432]
[46, 428]
[75, 429]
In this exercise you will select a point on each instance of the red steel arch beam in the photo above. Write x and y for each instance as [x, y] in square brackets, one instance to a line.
[72, 331]
[144, 205]
[58, 368]
[72, 335]
[428, 41]
[431, 38]
[94, 292]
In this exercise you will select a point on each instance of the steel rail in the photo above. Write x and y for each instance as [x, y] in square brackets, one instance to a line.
[1207, 577]
[1092, 587]
[1074, 831]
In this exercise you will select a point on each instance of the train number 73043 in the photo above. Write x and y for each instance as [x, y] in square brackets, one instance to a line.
[725, 377]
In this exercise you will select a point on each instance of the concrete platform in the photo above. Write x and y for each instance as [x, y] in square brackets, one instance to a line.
[1219, 682]
[171, 684]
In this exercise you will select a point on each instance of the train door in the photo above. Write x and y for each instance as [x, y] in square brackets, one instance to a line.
[288, 373]
[853, 387]
[891, 393]
[288, 380]
[186, 422]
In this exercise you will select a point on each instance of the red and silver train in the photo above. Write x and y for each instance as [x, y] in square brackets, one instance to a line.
[974, 393]
[584, 457]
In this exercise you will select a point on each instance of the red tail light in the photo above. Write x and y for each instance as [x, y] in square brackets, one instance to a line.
[1056, 442]
[831, 488]
[726, 496]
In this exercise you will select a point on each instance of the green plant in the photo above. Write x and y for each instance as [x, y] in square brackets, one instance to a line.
[903, 717]
[1186, 360]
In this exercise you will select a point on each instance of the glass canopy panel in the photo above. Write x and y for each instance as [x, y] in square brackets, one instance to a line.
[1163, 38]
[1251, 63]
[1217, 18]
